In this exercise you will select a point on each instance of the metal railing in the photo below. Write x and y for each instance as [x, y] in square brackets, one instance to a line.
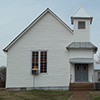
[70, 78]
[92, 78]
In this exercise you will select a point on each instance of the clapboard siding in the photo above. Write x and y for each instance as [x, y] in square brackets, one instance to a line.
[81, 53]
[47, 34]
[82, 35]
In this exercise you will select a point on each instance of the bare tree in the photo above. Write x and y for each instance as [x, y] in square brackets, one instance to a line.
[2, 76]
[98, 60]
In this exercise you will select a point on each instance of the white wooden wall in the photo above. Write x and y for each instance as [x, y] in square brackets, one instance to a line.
[47, 34]
[82, 35]
[82, 53]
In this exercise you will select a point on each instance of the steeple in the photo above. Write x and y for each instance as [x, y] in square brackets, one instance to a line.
[81, 13]
[81, 21]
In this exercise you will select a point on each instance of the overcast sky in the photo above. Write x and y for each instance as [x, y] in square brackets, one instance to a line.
[16, 15]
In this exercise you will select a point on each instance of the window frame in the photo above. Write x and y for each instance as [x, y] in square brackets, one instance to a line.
[81, 26]
[43, 63]
[39, 60]
[35, 59]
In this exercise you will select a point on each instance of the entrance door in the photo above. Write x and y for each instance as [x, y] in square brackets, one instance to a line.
[81, 72]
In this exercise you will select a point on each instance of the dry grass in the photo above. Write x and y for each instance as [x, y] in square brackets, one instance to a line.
[95, 95]
[35, 95]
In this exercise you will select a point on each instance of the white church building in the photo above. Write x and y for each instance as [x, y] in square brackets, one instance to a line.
[48, 54]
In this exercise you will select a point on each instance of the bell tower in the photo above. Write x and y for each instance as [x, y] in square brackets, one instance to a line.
[81, 21]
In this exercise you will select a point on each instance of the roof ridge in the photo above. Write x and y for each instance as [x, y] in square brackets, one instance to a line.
[86, 11]
[76, 11]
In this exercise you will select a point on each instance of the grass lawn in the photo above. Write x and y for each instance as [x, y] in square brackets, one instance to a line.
[95, 95]
[35, 95]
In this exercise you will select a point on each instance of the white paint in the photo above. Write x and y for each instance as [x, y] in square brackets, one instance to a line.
[50, 35]
[46, 34]
[90, 72]
[33, 23]
[81, 35]
[81, 53]
[81, 12]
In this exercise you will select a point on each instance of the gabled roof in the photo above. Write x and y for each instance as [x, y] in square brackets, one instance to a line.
[34, 22]
[81, 13]
[83, 45]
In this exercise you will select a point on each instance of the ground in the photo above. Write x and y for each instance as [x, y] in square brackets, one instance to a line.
[80, 95]
[85, 95]
[49, 95]
[95, 95]
[35, 95]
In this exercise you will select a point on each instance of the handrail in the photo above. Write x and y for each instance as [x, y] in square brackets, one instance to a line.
[92, 78]
[70, 78]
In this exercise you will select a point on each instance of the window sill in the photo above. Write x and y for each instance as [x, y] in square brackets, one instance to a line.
[43, 73]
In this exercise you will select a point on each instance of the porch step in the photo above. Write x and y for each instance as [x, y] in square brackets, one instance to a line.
[81, 87]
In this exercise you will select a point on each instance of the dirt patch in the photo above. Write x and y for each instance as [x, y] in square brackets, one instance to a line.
[80, 95]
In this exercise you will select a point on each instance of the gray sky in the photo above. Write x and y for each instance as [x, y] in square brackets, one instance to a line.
[16, 15]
